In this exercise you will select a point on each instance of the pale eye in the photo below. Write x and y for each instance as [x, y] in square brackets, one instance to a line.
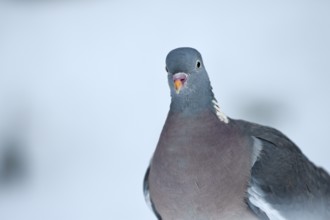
[198, 64]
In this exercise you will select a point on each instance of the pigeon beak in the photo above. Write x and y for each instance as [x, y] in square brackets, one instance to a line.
[179, 80]
[177, 86]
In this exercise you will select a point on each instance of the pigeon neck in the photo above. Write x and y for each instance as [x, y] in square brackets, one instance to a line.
[199, 102]
[220, 114]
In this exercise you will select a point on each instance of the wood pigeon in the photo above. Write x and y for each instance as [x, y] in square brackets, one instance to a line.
[208, 166]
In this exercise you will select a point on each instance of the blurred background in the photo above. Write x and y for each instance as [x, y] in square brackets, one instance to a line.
[84, 94]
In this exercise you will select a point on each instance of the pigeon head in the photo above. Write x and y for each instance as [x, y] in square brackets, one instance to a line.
[188, 80]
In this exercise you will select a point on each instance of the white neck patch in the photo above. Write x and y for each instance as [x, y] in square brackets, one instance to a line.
[221, 115]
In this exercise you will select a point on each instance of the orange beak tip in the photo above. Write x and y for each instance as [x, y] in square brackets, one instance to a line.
[177, 85]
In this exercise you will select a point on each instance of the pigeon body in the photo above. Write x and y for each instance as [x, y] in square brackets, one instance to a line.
[208, 166]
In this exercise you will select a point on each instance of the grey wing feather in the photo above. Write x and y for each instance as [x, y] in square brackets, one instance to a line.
[147, 194]
[284, 181]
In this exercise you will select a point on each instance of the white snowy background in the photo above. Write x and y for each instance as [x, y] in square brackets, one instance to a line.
[84, 94]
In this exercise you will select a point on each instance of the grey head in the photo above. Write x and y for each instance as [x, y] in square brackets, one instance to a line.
[189, 83]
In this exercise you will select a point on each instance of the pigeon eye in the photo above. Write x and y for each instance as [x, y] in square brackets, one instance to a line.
[198, 64]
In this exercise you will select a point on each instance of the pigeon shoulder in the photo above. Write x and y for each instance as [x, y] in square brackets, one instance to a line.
[283, 179]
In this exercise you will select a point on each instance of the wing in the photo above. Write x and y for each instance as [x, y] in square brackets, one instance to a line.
[147, 194]
[284, 184]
